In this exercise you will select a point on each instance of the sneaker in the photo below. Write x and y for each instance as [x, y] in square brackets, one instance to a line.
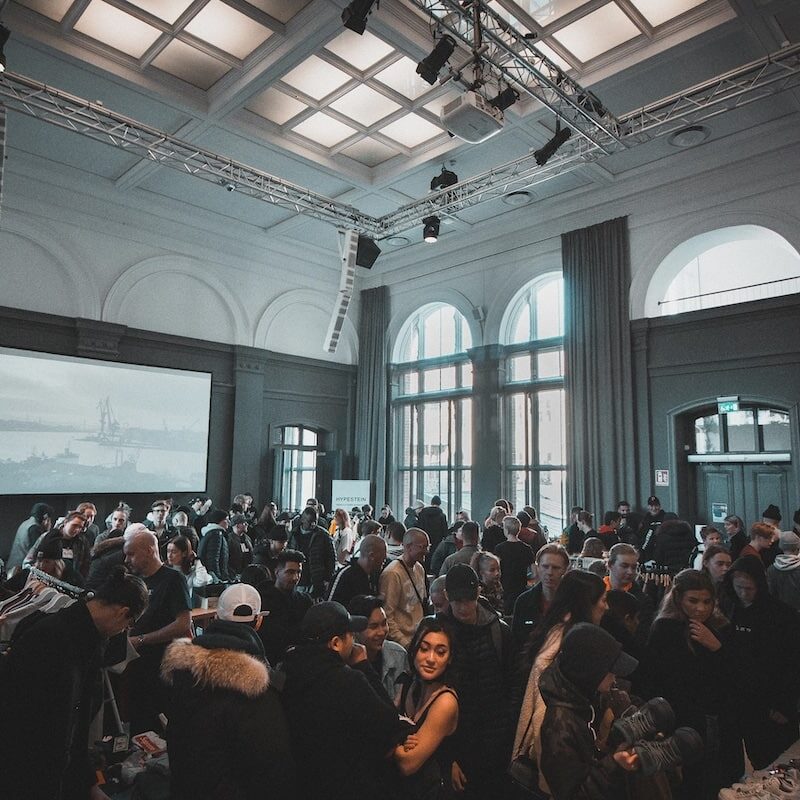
[655, 716]
[684, 747]
[764, 788]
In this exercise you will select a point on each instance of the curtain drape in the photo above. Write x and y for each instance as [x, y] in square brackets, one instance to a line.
[601, 466]
[371, 390]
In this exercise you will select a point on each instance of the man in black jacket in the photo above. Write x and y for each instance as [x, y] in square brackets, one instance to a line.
[360, 576]
[286, 606]
[433, 521]
[316, 545]
[481, 665]
[342, 725]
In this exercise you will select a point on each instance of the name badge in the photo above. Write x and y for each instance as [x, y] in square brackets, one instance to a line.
[66, 553]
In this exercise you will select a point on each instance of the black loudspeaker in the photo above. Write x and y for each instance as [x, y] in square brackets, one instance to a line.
[367, 253]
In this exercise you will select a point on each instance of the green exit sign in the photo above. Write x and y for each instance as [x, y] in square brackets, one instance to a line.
[727, 405]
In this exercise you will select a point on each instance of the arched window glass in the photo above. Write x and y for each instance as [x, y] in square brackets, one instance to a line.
[749, 429]
[297, 464]
[535, 446]
[432, 408]
[724, 267]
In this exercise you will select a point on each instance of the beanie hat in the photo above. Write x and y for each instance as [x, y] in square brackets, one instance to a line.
[461, 583]
[772, 512]
[589, 653]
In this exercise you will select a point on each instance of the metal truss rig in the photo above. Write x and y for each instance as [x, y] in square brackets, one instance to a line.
[511, 57]
[754, 81]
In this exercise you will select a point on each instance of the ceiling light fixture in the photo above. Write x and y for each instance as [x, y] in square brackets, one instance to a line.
[4, 34]
[430, 232]
[443, 180]
[355, 15]
[428, 68]
[689, 137]
[544, 154]
[505, 99]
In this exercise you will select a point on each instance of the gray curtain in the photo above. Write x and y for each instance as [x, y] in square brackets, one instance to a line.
[371, 390]
[601, 466]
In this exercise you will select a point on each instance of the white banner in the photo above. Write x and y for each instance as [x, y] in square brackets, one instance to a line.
[346, 494]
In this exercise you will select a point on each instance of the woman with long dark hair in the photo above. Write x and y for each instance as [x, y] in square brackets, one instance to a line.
[690, 659]
[580, 597]
[181, 557]
[431, 703]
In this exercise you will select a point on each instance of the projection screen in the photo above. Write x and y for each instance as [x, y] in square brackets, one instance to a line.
[77, 425]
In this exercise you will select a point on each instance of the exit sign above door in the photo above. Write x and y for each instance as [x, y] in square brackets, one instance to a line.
[727, 405]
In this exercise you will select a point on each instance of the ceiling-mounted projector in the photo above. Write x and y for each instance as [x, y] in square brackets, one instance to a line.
[471, 118]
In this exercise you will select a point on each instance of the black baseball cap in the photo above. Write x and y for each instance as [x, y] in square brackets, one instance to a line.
[325, 620]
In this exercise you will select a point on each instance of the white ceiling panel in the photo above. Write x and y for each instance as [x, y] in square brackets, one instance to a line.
[364, 105]
[276, 106]
[598, 32]
[189, 64]
[324, 130]
[117, 29]
[369, 152]
[362, 52]
[316, 78]
[168, 10]
[227, 29]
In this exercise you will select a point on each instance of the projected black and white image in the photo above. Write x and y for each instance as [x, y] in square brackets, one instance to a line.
[79, 425]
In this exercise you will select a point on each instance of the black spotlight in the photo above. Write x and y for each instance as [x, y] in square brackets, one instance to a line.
[4, 34]
[544, 154]
[367, 252]
[355, 15]
[429, 67]
[505, 99]
[431, 231]
[444, 179]
[592, 103]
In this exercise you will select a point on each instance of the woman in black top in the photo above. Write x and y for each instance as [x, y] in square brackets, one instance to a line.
[431, 703]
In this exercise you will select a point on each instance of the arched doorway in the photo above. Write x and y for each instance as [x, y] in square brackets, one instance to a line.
[738, 462]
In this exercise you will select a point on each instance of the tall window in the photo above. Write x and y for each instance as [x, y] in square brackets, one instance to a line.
[432, 408]
[298, 465]
[535, 462]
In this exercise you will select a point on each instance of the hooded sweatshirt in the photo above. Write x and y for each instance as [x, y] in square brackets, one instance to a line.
[783, 579]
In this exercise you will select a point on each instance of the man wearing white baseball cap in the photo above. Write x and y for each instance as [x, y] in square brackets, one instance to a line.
[226, 732]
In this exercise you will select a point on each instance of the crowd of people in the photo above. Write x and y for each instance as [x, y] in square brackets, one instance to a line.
[354, 655]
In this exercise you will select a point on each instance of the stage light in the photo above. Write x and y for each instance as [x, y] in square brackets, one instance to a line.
[4, 34]
[355, 15]
[544, 154]
[428, 68]
[431, 231]
[505, 99]
[592, 103]
[444, 179]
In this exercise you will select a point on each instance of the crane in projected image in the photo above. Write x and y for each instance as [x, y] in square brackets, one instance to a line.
[109, 424]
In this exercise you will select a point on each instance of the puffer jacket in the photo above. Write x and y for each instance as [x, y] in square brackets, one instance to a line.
[317, 546]
[481, 669]
[572, 765]
[673, 544]
[213, 551]
[227, 735]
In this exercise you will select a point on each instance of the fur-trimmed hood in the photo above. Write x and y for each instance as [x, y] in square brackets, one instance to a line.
[217, 668]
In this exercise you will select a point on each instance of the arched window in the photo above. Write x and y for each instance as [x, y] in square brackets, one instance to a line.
[724, 267]
[535, 446]
[297, 463]
[432, 407]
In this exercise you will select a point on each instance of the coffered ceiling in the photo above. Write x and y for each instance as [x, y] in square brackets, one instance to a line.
[283, 86]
